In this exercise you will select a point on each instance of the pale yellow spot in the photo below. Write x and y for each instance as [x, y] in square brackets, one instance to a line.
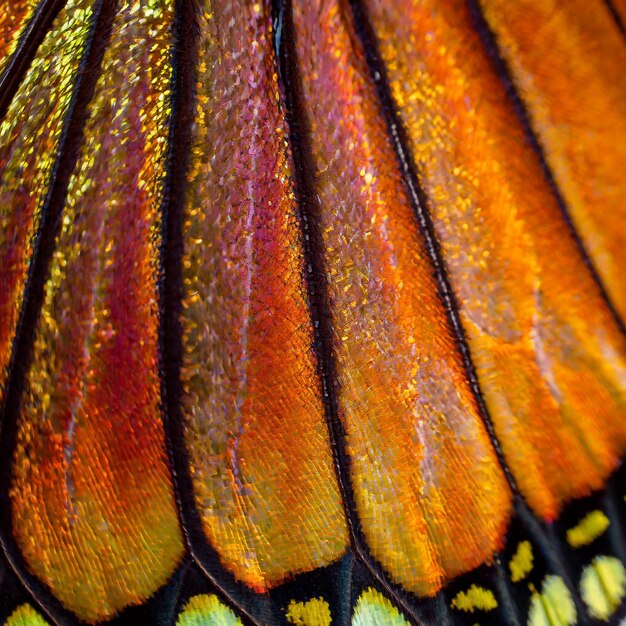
[373, 609]
[603, 586]
[475, 599]
[588, 529]
[207, 610]
[522, 562]
[25, 615]
[554, 606]
[315, 612]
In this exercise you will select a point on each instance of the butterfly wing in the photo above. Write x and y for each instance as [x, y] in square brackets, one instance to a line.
[319, 271]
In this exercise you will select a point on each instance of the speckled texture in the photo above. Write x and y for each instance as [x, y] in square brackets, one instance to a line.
[573, 83]
[324, 377]
[550, 359]
[431, 498]
[93, 508]
[29, 136]
[261, 463]
[14, 16]
[206, 609]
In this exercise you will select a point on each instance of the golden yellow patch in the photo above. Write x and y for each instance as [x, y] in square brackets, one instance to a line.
[373, 608]
[475, 599]
[207, 609]
[315, 612]
[25, 615]
[554, 606]
[522, 562]
[603, 586]
[588, 529]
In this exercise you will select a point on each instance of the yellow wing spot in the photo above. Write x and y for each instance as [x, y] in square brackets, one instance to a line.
[554, 606]
[25, 615]
[588, 529]
[373, 608]
[207, 610]
[315, 612]
[603, 586]
[522, 562]
[475, 599]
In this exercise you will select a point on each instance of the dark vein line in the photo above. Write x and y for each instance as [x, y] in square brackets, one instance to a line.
[508, 606]
[176, 584]
[420, 204]
[503, 71]
[185, 58]
[26, 49]
[610, 501]
[68, 151]
[550, 545]
[318, 297]
[344, 610]
[617, 18]
[442, 613]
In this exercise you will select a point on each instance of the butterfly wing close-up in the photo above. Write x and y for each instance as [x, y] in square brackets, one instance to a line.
[312, 312]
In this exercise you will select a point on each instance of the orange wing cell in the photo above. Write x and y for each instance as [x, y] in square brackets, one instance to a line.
[261, 462]
[92, 500]
[567, 61]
